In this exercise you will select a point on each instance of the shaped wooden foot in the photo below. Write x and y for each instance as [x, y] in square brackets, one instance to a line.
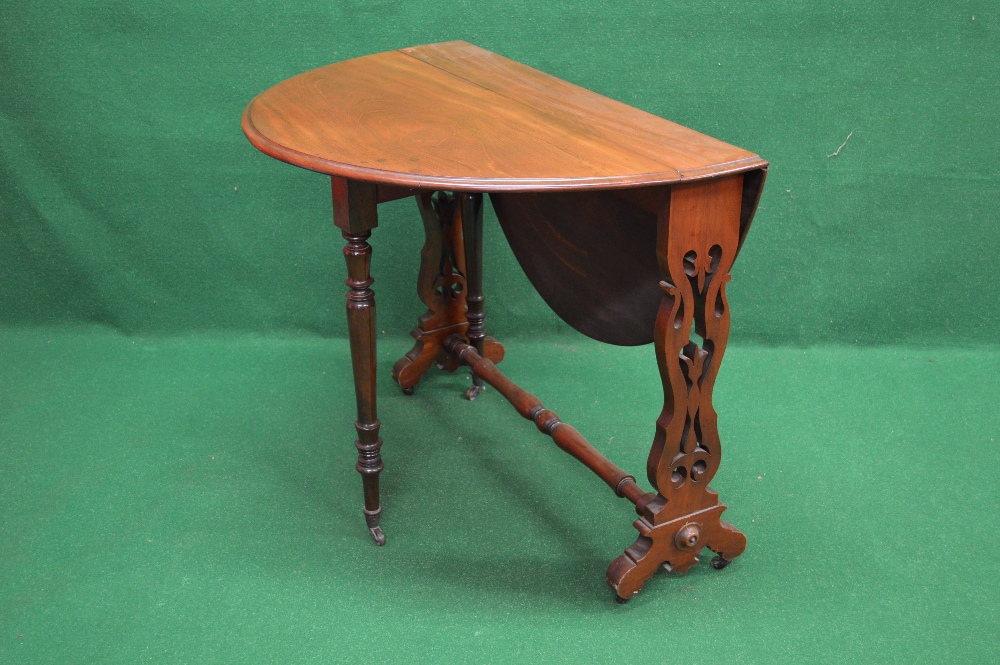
[697, 241]
[444, 286]
[675, 545]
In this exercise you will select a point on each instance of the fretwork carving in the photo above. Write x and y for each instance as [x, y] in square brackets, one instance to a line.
[696, 244]
[443, 286]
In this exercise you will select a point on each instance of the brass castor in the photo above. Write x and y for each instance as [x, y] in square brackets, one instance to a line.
[407, 391]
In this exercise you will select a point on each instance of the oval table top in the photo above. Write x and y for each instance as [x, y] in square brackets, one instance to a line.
[457, 117]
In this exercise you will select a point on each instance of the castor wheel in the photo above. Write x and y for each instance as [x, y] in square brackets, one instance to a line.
[621, 601]
[372, 520]
[408, 391]
[718, 562]
[377, 535]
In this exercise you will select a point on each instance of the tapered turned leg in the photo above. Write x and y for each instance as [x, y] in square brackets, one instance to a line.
[472, 230]
[355, 212]
[445, 284]
[697, 240]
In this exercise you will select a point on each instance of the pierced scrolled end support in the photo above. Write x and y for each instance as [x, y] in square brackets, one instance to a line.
[450, 284]
[698, 227]
[372, 519]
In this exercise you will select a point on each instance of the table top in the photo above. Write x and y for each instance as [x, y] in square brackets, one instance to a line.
[457, 117]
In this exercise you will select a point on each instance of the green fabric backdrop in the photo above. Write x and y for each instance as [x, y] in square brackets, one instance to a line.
[130, 197]
[177, 476]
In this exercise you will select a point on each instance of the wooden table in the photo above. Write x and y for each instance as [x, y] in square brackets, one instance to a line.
[626, 223]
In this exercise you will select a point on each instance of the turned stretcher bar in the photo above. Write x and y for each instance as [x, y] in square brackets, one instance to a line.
[686, 533]
[530, 407]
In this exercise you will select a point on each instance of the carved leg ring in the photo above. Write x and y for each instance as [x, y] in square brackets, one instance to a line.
[684, 517]
[450, 284]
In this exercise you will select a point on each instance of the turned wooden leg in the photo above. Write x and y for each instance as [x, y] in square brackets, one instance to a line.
[697, 241]
[445, 284]
[356, 213]
[472, 230]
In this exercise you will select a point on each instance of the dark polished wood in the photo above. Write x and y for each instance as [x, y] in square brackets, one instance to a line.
[592, 255]
[698, 236]
[450, 285]
[626, 224]
[472, 230]
[530, 407]
[355, 212]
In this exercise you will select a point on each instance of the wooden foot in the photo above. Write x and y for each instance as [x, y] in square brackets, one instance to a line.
[697, 241]
[444, 286]
[675, 545]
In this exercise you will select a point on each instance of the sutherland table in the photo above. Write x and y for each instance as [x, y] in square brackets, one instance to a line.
[627, 224]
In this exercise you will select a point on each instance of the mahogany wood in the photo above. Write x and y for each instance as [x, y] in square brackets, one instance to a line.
[565, 436]
[456, 117]
[626, 223]
[355, 211]
[697, 239]
[445, 284]
[592, 255]
[472, 229]
[388, 193]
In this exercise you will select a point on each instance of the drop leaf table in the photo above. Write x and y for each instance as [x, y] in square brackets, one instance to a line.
[626, 224]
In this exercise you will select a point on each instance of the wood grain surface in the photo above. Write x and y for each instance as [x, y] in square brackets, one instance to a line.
[457, 117]
[591, 255]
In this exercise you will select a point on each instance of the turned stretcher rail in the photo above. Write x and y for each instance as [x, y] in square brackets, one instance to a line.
[530, 407]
